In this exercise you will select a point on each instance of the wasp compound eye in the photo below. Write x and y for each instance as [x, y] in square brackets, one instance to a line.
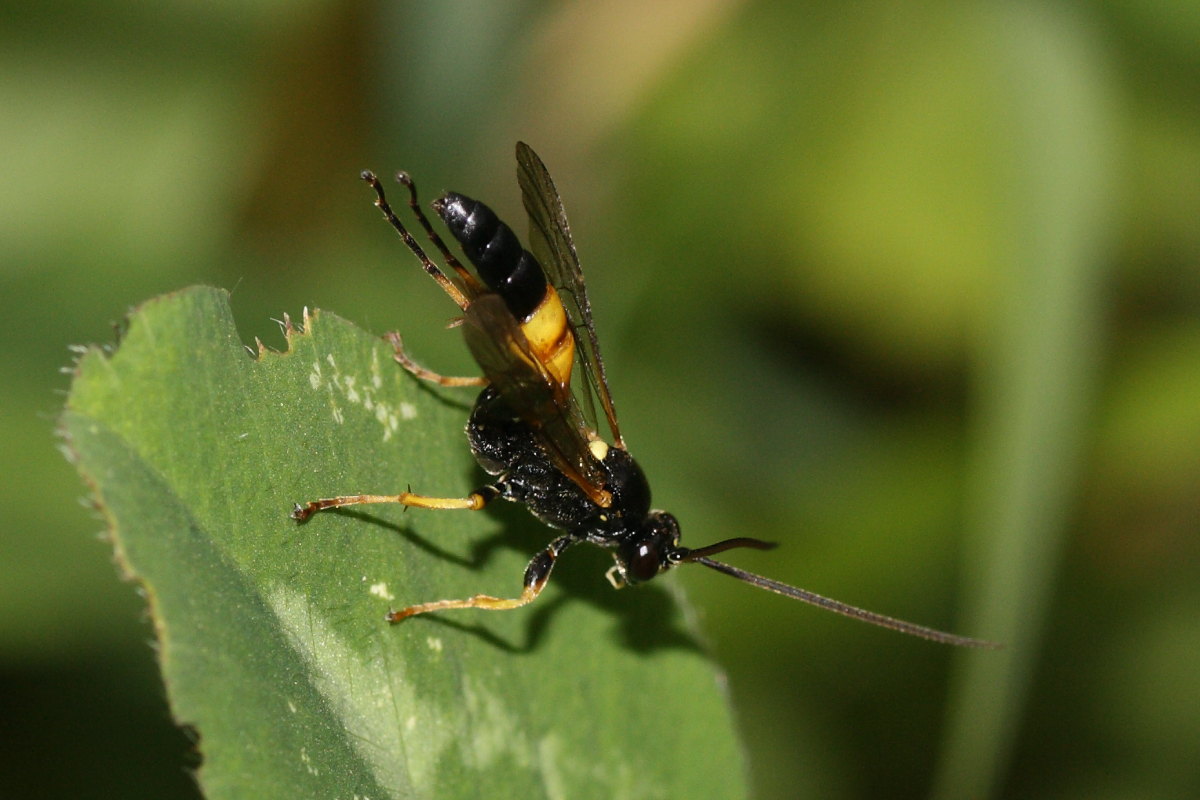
[643, 563]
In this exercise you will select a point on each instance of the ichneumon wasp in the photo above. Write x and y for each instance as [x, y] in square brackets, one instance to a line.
[528, 323]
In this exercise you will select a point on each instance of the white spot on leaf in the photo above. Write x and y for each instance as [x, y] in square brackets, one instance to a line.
[354, 391]
[380, 590]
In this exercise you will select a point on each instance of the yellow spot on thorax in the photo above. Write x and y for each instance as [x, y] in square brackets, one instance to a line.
[599, 449]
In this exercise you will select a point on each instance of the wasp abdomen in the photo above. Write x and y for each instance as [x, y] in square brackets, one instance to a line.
[512, 272]
[506, 267]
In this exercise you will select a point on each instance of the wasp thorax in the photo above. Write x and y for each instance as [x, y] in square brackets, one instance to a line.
[627, 483]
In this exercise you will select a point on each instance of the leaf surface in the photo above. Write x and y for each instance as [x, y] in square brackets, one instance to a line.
[271, 634]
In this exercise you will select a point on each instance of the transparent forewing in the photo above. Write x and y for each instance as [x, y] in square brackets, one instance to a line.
[550, 242]
[501, 350]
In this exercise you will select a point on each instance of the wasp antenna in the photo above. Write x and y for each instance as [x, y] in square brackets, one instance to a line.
[846, 610]
[728, 544]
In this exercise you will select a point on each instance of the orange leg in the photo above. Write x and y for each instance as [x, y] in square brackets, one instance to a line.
[536, 576]
[472, 502]
[404, 360]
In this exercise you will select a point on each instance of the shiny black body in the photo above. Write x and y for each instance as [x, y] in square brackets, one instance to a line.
[506, 267]
[506, 446]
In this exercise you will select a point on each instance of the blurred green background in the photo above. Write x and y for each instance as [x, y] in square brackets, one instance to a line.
[912, 289]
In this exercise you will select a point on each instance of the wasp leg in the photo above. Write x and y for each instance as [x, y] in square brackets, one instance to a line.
[432, 269]
[472, 502]
[415, 205]
[536, 575]
[404, 360]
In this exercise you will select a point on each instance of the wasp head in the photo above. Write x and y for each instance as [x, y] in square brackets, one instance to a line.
[654, 548]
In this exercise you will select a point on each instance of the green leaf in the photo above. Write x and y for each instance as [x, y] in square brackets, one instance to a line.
[271, 634]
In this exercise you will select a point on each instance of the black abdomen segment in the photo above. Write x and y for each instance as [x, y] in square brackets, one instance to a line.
[508, 269]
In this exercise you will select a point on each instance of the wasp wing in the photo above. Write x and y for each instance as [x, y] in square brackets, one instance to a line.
[551, 243]
[500, 348]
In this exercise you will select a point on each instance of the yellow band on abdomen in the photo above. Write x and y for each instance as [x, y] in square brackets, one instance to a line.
[550, 336]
